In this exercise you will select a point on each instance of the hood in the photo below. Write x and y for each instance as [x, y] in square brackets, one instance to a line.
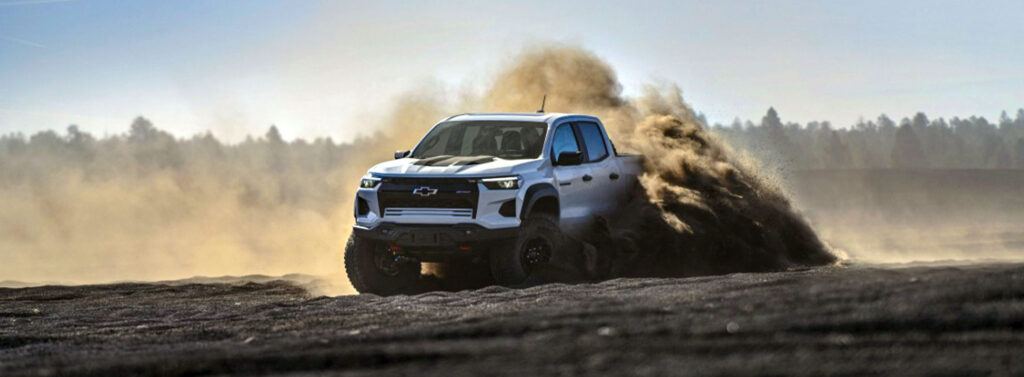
[464, 166]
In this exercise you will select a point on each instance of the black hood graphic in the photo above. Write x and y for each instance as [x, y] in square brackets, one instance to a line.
[454, 160]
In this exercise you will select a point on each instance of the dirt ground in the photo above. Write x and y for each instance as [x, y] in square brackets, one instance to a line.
[853, 320]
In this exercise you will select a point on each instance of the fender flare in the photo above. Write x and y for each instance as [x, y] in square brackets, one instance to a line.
[535, 193]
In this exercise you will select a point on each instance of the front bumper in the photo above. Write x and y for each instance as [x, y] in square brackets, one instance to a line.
[436, 242]
[487, 210]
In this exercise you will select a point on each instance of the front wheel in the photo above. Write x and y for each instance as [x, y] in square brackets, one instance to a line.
[371, 268]
[539, 238]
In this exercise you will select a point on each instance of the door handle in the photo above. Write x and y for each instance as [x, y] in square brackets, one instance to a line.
[614, 176]
[587, 178]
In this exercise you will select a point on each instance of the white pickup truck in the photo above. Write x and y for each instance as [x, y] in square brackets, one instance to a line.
[494, 188]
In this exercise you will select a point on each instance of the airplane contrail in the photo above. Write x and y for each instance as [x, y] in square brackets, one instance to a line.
[22, 41]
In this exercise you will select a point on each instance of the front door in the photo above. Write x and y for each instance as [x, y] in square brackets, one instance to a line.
[572, 188]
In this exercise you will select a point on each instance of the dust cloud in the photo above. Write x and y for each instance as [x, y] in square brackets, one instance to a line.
[700, 208]
[147, 206]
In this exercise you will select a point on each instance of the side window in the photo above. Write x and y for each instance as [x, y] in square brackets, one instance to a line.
[563, 141]
[594, 141]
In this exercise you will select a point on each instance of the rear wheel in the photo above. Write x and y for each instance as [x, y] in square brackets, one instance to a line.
[539, 238]
[371, 268]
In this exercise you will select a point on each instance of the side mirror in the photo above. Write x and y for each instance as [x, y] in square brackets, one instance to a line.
[569, 158]
[401, 154]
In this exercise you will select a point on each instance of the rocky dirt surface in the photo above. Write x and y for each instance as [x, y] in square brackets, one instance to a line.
[854, 320]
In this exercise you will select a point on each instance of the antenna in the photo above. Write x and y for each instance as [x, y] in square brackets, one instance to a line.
[542, 102]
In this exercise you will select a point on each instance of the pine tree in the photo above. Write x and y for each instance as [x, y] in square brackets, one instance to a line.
[907, 151]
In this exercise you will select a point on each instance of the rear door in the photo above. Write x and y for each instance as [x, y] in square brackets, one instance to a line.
[603, 184]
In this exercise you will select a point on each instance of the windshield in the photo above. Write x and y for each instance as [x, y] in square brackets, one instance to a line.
[502, 139]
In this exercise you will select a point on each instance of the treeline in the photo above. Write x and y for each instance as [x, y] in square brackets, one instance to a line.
[916, 142]
[300, 168]
[266, 170]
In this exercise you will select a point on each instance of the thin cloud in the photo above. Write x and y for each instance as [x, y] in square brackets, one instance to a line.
[22, 41]
[19, 3]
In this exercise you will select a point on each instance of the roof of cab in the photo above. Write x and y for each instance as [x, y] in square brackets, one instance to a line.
[520, 117]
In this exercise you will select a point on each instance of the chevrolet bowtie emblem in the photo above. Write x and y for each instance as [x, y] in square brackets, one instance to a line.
[424, 191]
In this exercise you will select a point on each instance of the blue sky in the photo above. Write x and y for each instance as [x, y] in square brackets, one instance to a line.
[325, 68]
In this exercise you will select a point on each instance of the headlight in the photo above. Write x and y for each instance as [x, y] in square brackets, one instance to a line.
[369, 182]
[501, 183]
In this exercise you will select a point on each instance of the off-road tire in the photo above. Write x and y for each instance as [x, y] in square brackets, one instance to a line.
[366, 277]
[507, 264]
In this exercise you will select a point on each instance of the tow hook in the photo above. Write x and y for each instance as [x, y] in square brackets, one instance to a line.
[398, 258]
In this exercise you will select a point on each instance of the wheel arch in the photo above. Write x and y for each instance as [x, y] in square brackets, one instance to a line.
[541, 197]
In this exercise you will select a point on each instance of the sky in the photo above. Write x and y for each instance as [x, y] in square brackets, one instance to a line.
[327, 68]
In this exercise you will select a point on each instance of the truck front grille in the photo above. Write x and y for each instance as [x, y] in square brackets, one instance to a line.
[404, 197]
[446, 212]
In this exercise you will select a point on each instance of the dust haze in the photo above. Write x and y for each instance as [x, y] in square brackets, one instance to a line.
[916, 215]
[897, 190]
[147, 206]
